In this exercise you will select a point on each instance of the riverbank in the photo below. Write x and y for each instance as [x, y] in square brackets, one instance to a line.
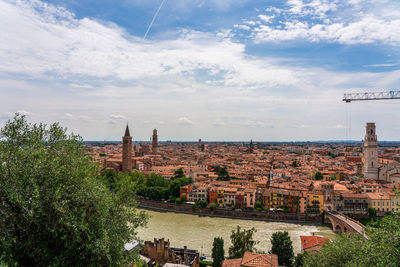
[313, 219]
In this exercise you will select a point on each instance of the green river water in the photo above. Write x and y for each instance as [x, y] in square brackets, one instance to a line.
[198, 233]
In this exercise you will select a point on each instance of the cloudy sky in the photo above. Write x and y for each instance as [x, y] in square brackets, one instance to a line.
[212, 69]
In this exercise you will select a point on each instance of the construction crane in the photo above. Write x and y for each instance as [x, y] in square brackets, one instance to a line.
[371, 96]
[348, 98]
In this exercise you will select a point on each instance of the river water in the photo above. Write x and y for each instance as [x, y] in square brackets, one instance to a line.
[198, 233]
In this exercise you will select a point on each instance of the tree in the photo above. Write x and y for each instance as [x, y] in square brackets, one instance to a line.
[54, 210]
[299, 259]
[318, 176]
[242, 241]
[178, 201]
[222, 173]
[109, 178]
[179, 173]
[381, 249]
[295, 163]
[202, 203]
[259, 206]
[282, 246]
[372, 213]
[175, 185]
[218, 252]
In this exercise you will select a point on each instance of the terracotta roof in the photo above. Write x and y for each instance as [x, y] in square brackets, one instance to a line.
[308, 242]
[253, 260]
[232, 263]
[262, 260]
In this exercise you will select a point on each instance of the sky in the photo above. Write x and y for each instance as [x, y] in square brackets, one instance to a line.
[219, 70]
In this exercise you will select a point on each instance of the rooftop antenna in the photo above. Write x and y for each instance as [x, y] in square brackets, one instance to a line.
[154, 18]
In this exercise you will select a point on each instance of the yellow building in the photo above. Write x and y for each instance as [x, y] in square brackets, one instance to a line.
[315, 202]
[380, 201]
[394, 202]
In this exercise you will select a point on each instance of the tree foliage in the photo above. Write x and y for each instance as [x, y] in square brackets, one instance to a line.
[54, 210]
[202, 203]
[179, 173]
[222, 173]
[283, 247]
[299, 259]
[382, 248]
[218, 252]
[318, 176]
[242, 241]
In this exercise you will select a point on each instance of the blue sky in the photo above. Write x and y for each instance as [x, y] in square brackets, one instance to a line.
[216, 70]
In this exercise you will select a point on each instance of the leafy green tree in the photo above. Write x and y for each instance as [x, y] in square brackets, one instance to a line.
[179, 173]
[295, 163]
[381, 249]
[242, 241]
[202, 203]
[372, 213]
[259, 206]
[156, 180]
[299, 259]
[283, 247]
[222, 173]
[318, 176]
[175, 185]
[109, 178]
[178, 201]
[54, 210]
[218, 252]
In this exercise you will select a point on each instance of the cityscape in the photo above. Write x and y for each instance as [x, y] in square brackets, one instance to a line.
[202, 133]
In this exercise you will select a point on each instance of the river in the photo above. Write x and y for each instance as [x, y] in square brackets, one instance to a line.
[198, 233]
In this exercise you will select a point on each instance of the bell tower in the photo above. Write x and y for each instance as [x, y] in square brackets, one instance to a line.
[127, 150]
[370, 153]
[155, 140]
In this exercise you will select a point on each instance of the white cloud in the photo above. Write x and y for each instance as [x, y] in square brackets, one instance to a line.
[88, 48]
[256, 124]
[118, 117]
[70, 116]
[242, 27]
[219, 123]
[184, 121]
[266, 19]
[357, 22]
[24, 112]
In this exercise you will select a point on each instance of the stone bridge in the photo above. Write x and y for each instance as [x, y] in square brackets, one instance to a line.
[344, 224]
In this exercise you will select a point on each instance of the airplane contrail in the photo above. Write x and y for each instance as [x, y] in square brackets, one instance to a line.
[154, 18]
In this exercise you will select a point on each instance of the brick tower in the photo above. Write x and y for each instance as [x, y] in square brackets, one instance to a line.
[370, 152]
[154, 140]
[127, 151]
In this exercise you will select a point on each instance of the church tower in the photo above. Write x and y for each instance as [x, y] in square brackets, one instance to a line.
[155, 140]
[251, 147]
[127, 151]
[370, 153]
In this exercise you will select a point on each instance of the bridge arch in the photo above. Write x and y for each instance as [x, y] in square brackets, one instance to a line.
[344, 224]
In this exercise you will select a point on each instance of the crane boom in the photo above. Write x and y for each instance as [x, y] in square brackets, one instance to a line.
[371, 96]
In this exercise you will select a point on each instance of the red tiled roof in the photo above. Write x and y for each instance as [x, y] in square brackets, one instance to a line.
[308, 242]
[259, 260]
